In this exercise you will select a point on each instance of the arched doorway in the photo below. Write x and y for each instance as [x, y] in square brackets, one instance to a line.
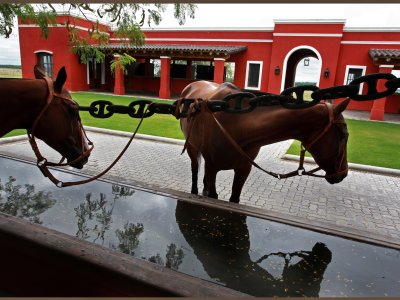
[292, 67]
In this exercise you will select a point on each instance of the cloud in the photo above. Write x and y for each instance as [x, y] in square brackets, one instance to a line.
[9, 49]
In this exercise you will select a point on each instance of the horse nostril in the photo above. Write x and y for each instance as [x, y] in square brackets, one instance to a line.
[333, 180]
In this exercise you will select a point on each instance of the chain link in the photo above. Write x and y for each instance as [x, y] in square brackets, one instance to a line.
[235, 103]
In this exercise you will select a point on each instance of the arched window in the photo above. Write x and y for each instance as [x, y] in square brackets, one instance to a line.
[45, 62]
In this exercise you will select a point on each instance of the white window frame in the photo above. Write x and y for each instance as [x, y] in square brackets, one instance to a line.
[394, 72]
[346, 74]
[259, 75]
[50, 53]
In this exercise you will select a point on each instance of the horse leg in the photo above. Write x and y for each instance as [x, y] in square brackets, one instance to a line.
[210, 176]
[195, 162]
[239, 179]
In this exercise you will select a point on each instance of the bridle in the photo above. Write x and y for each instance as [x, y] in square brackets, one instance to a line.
[201, 105]
[42, 162]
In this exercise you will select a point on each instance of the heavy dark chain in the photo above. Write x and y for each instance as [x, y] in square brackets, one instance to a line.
[235, 103]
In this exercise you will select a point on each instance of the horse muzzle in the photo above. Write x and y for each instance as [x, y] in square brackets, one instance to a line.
[79, 159]
[336, 178]
[78, 164]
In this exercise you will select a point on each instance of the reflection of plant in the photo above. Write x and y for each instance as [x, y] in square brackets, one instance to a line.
[174, 257]
[129, 237]
[96, 211]
[156, 259]
[28, 205]
[122, 191]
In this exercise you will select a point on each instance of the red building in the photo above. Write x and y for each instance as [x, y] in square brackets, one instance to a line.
[264, 59]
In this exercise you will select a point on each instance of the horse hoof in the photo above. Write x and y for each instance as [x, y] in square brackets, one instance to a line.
[194, 192]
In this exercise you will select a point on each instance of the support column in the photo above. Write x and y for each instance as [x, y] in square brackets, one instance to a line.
[119, 86]
[219, 64]
[378, 107]
[165, 78]
[189, 69]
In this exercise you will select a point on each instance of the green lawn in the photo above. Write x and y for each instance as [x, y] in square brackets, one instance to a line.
[370, 143]
[159, 125]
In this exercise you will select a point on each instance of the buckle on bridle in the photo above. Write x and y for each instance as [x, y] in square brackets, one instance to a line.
[41, 163]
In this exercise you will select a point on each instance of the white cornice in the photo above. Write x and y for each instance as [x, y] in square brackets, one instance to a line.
[370, 42]
[253, 29]
[57, 26]
[309, 34]
[309, 21]
[372, 29]
[201, 40]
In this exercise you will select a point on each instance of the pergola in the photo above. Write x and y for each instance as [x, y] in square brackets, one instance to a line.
[385, 56]
[168, 52]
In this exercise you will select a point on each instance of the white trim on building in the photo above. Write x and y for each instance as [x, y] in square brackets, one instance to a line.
[346, 74]
[284, 67]
[246, 86]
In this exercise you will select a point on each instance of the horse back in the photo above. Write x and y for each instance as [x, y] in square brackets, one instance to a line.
[208, 90]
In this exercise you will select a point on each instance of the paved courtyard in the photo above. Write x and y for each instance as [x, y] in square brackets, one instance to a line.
[365, 203]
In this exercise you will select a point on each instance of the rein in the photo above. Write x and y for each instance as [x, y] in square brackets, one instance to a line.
[300, 170]
[42, 162]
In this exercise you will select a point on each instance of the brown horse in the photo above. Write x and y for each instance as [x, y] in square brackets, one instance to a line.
[49, 106]
[252, 130]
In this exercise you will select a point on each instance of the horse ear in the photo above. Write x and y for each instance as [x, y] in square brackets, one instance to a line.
[39, 73]
[61, 78]
[341, 107]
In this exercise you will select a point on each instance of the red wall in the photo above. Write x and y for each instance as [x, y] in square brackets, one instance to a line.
[337, 46]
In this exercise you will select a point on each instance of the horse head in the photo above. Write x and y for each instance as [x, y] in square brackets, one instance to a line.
[59, 125]
[329, 147]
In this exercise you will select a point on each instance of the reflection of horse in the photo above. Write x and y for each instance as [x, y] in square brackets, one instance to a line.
[44, 106]
[264, 125]
[220, 240]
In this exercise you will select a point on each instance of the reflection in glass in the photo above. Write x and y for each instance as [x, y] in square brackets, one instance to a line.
[253, 255]
[220, 240]
[94, 217]
[129, 237]
[24, 202]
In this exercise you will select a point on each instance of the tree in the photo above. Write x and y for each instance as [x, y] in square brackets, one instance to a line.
[127, 18]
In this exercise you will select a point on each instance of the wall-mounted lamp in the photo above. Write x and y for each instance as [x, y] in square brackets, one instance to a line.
[306, 62]
[326, 73]
[277, 70]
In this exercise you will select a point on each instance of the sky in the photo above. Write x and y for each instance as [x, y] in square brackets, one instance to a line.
[256, 15]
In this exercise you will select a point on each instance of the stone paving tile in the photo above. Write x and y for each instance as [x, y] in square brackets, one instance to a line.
[363, 201]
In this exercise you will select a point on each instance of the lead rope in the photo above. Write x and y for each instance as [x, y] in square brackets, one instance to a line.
[300, 170]
[60, 184]
[42, 162]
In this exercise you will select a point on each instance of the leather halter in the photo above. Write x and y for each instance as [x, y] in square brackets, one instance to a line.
[203, 106]
[42, 162]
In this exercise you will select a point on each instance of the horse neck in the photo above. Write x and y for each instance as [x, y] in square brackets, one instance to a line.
[278, 124]
[21, 103]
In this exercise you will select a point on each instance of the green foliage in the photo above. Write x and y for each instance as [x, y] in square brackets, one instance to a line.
[122, 62]
[127, 18]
